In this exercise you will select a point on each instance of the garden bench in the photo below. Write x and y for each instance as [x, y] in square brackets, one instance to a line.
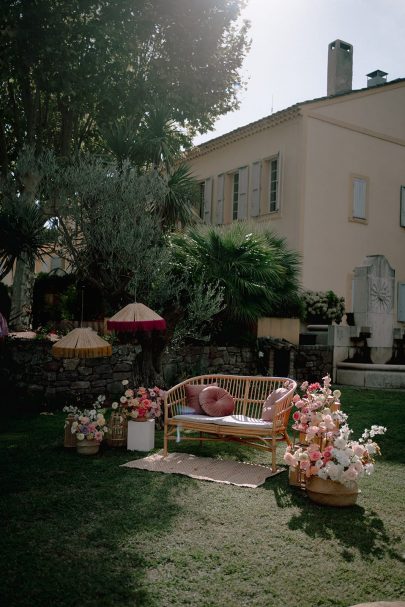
[245, 425]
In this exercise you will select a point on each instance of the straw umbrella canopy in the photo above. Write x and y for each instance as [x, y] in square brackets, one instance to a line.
[136, 317]
[81, 343]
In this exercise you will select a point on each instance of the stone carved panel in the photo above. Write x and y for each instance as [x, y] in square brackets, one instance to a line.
[380, 294]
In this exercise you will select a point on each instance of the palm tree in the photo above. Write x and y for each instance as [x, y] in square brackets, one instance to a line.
[23, 233]
[156, 143]
[255, 269]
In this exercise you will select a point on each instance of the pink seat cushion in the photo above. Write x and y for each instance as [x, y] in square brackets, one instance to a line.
[216, 401]
[269, 405]
[192, 395]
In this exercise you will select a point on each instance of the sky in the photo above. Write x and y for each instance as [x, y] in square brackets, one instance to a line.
[287, 61]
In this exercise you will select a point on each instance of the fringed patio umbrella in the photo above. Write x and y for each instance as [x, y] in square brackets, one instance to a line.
[81, 343]
[136, 317]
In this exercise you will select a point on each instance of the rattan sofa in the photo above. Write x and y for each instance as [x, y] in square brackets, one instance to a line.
[246, 426]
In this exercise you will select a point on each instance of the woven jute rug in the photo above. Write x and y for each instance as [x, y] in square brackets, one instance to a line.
[206, 468]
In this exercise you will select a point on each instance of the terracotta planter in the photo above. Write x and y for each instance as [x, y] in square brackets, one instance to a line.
[87, 447]
[331, 493]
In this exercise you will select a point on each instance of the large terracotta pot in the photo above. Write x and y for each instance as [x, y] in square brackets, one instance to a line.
[87, 447]
[331, 493]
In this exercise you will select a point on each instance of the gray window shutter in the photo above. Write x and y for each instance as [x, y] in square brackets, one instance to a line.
[402, 221]
[220, 199]
[243, 190]
[255, 199]
[207, 200]
[359, 198]
[401, 302]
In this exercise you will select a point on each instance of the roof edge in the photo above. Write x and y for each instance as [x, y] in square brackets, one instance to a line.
[268, 121]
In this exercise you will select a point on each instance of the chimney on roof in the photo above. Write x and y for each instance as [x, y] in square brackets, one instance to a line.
[340, 67]
[377, 77]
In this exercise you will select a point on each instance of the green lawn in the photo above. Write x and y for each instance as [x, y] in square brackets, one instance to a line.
[84, 532]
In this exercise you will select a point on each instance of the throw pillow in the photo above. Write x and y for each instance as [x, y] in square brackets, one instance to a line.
[269, 405]
[216, 401]
[192, 395]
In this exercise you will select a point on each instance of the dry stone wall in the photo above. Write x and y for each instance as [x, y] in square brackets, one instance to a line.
[29, 373]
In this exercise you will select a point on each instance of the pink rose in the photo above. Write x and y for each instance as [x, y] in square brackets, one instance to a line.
[290, 459]
[296, 416]
[315, 455]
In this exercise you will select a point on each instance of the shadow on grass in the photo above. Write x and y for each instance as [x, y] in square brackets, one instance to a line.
[78, 528]
[356, 529]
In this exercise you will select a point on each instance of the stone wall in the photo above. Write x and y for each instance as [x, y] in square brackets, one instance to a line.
[313, 362]
[28, 370]
[30, 373]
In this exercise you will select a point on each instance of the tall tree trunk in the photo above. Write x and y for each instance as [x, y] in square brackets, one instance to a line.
[22, 294]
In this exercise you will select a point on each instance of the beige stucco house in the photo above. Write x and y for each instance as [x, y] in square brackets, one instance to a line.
[327, 174]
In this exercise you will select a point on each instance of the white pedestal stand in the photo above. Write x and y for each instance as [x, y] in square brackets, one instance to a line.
[141, 435]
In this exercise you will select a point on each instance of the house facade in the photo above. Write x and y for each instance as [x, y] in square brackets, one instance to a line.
[326, 174]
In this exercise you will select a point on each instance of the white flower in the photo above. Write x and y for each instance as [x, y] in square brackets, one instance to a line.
[334, 470]
[337, 394]
[368, 469]
[80, 436]
[101, 398]
[125, 382]
[371, 448]
[114, 405]
[342, 457]
[340, 442]
[123, 399]
[323, 473]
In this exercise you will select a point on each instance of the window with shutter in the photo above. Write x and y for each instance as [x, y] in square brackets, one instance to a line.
[359, 198]
[402, 208]
[201, 200]
[243, 193]
[255, 198]
[401, 302]
[235, 196]
[274, 202]
[207, 200]
[220, 199]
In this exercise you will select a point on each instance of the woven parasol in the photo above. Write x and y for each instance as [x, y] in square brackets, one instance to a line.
[136, 317]
[81, 343]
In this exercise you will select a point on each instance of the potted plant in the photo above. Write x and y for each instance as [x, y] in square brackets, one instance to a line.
[323, 307]
[328, 461]
[140, 405]
[87, 426]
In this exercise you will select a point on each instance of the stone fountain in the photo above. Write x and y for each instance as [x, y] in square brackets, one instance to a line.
[370, 353]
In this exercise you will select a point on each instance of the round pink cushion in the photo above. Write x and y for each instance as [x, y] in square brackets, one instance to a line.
[216, 401]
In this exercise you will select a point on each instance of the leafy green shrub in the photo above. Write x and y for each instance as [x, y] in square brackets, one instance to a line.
[323, 307]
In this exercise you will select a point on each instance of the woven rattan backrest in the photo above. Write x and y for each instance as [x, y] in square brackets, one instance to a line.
[249, 392]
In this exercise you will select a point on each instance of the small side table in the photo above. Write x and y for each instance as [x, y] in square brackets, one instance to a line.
[141, 435]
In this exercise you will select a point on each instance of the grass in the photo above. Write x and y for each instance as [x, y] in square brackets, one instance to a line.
[83, 531]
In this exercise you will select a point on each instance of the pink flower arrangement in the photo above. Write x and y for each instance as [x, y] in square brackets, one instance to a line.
[326, 449]
[142, 402]
[89, 423]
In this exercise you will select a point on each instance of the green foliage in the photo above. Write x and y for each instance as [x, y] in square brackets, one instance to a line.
[71, 66]
[23, 232]
[108, 230]
[326, 307]
[254, 267]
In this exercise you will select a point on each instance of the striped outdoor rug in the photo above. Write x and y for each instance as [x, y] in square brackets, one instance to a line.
[205, 468]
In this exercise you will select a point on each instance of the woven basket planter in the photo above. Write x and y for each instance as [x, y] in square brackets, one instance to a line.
[70, 440]
[117, 430]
